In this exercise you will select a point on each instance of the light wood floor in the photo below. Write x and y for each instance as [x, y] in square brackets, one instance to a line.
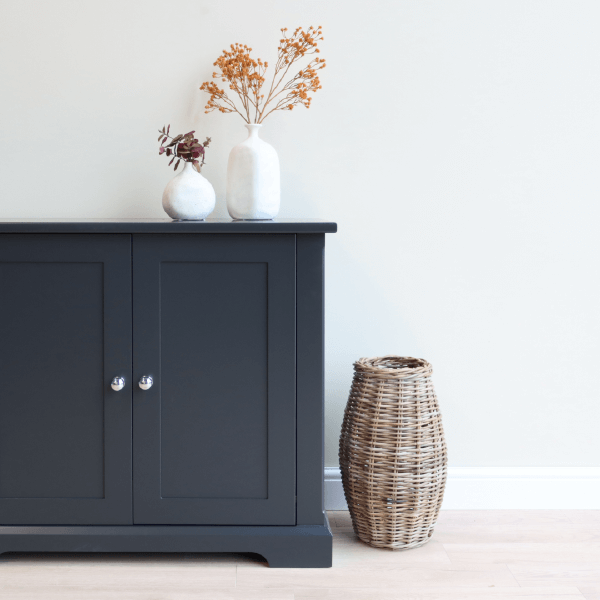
[550, 555]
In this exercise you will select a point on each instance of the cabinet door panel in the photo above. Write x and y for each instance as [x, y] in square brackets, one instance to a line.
[214, 325]
[199, 459]
[65, 331]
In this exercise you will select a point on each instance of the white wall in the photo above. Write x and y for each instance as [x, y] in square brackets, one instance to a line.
[456, 143]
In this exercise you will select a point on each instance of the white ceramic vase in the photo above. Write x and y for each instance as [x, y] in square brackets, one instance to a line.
[253, 189]
[189, 196]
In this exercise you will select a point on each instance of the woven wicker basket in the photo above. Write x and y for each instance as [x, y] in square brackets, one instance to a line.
[392, 452]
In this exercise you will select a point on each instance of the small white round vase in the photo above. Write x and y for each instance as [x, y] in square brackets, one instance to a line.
[189, 196]
[253, 189]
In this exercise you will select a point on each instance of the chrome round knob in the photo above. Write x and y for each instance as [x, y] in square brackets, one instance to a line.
[146, 382]
[118, 383]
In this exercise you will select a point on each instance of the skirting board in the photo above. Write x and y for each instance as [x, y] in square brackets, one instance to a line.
[502, 488]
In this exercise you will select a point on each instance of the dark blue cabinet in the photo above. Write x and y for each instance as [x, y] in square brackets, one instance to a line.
[223, 452]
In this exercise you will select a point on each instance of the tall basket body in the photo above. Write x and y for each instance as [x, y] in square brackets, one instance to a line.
[393, 454]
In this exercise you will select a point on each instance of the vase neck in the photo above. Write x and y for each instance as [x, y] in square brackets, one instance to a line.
[253, 130]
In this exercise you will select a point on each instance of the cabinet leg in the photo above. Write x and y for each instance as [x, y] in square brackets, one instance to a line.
[312, 549]
[316, 554]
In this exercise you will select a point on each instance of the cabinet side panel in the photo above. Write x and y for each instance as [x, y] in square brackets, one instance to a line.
[52, 374]
[213, 344]
[310, 377]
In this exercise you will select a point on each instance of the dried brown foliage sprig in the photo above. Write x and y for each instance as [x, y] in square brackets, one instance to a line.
[182, 147]
[246, 77]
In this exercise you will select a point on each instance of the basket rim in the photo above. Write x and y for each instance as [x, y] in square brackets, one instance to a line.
[382, 366]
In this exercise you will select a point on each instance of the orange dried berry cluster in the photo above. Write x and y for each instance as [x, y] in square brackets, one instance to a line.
[246, 77]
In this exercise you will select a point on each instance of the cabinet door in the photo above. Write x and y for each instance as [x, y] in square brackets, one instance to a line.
[65, 332]
[214, 326]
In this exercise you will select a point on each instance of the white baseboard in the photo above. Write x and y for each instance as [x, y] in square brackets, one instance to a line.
[502, 488]
[334, 493]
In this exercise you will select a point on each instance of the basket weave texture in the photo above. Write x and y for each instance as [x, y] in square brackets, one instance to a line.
[393, 453]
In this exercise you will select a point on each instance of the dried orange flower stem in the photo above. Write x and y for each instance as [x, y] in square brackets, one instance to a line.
[246, 77]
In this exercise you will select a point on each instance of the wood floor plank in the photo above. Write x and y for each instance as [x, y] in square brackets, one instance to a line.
[551, 552]
[522, 531]
[376, 578]
[435, 593]
[584, 516]
[590, 589]
[543, 573]
[503, 517]
[46, 592]
[350, 551]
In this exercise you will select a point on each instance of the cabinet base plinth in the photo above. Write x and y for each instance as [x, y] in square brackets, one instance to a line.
[282, 546]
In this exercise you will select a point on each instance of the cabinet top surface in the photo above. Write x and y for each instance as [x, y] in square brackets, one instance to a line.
[164, 226]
